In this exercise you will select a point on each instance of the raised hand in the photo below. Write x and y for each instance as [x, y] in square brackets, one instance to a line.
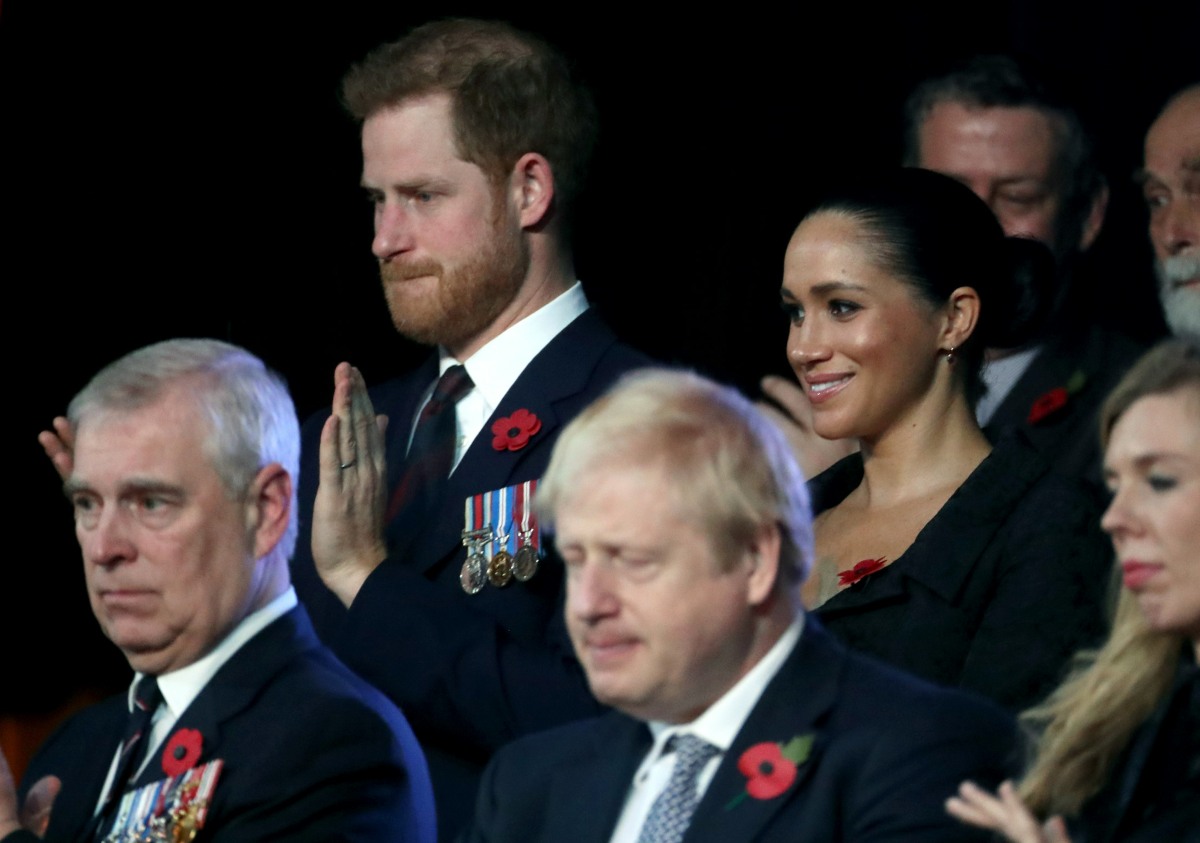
[348, 515]
[59, 445]
[1004, 814]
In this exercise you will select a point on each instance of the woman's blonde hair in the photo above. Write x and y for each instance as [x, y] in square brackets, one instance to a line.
[1088, 722]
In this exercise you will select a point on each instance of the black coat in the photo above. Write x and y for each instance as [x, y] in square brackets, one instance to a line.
[998, 590]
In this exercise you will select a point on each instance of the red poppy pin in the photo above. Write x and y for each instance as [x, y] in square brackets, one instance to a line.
[861, 571]
[512, 433]
[182, 751]
[1051, 402]
[770, 768]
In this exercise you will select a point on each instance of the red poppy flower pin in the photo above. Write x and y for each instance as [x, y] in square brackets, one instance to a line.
[770, 768]
[861, 571]
[182, 751]
[1049, 403]
[512, 433]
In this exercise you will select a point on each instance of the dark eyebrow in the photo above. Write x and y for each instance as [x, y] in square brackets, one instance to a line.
[836, 286]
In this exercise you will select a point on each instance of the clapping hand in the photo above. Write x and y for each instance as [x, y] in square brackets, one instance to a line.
[1004, 814]
[348, 514]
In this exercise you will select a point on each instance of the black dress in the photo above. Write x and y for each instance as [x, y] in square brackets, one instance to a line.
[998, 590]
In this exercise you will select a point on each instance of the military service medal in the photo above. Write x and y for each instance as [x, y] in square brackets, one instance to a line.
[498, 553]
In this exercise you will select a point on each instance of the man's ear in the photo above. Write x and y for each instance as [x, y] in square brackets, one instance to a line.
[532, 189]
[762, 559]
[268, 507]
[962, 314]
[1094, 219]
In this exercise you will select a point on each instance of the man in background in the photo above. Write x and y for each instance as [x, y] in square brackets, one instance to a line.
[1170, 179]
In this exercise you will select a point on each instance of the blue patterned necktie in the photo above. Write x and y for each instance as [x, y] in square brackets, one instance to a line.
[672, 811]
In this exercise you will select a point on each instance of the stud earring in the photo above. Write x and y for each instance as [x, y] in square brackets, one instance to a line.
[950, 355]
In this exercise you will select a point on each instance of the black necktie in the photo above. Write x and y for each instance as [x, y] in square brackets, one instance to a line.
[431, 454]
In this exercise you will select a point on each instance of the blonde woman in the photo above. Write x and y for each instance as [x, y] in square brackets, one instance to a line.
[1119, 753]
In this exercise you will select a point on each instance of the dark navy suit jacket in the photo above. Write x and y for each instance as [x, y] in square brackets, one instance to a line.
[310, 751]
[1068, 439]
[471, 672]
[887, 751]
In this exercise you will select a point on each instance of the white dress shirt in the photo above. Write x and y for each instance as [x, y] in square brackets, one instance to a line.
[1000, 376]
[718, 725]
[496, 366]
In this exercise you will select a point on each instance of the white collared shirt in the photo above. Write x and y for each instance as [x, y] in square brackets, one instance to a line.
[1000, 376]
[718, 725]
[495, 367]
[180, 687]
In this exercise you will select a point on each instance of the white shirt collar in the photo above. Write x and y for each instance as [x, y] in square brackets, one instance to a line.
[1000, 376]
[495, 367]
[180, 687]
[721, 721]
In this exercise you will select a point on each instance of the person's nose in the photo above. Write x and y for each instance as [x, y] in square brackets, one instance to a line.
[806, 346]
[393, 231]
[1179, 226]
[107, 540]
[590, 593]
[1119, 519]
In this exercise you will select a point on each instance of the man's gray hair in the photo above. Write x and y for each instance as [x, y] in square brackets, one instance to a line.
[731, 470]
[251, 418]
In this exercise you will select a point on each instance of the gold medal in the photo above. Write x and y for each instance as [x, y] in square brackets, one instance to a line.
[500, 569]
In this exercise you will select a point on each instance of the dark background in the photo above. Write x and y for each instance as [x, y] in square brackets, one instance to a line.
[185, 169]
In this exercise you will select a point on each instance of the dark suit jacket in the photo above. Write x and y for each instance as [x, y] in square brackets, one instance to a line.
[310, 751]
[471, 672]
[998, 590]
[1068, 439]
[888, 750]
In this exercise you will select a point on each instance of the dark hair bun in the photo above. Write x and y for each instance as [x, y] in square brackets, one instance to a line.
[1016, 312]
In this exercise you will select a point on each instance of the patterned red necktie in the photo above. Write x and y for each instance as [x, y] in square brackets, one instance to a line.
[431, 454]
[146, 699]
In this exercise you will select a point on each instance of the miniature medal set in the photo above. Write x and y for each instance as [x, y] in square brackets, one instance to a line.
[500, 532]
[172, 810]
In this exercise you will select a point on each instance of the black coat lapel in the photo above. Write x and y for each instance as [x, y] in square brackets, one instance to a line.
[562, 370]
[796, 703]
[235, 686]
[586, 801]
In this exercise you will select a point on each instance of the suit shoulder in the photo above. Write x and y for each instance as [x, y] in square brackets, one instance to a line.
[61, 749]
[317, 679]
[560, 745]
[916, 708]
